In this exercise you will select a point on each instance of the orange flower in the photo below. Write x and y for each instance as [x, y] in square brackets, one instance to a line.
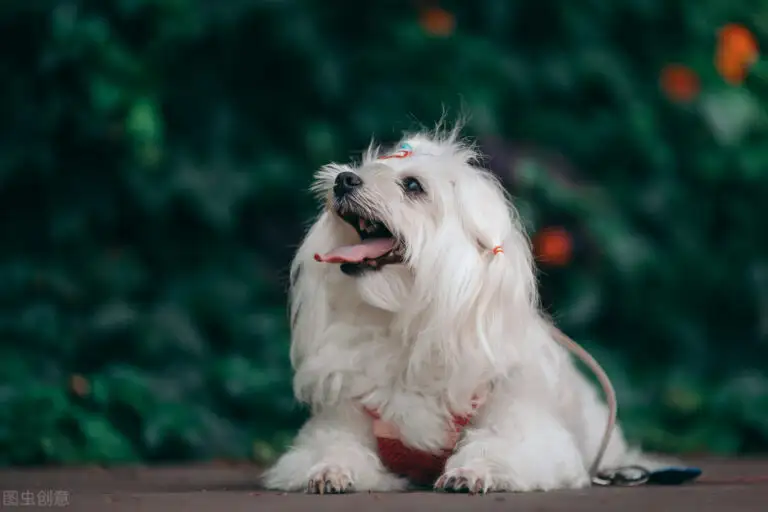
[736, 51]
[553, 246]
[679, 82]
[437, 21]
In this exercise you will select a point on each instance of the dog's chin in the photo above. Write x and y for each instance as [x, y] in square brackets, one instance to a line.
[377, 248]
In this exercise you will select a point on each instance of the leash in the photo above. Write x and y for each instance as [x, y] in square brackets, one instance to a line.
[610, 396]
[629, 476]
[626, 476]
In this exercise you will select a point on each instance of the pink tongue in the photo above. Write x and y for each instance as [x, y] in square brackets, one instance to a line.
[369, 249]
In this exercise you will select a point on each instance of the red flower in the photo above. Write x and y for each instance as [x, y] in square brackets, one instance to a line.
[680, 83]
[553, 246]
[437, 21]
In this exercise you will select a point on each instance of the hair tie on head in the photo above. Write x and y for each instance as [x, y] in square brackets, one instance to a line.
[498, 250]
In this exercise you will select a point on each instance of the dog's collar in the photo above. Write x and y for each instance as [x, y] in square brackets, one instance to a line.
[385, 429]
[419, 466]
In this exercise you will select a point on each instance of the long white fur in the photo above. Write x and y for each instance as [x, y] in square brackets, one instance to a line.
[416, 341]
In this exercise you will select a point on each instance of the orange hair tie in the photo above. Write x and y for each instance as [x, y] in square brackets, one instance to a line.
[498, 250]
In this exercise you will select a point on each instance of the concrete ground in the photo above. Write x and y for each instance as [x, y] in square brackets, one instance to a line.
[727, 485]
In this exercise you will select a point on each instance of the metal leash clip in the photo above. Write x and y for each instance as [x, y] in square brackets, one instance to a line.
[627, 476]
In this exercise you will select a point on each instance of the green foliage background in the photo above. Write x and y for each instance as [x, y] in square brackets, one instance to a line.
[153, 161]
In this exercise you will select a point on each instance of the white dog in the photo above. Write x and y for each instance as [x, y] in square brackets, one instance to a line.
[414, 311]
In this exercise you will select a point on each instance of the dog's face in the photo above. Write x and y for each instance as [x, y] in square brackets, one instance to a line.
[407, 207]
[384, 210]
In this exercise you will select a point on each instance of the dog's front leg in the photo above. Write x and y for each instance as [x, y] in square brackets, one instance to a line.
[334, 452]
[516, 443]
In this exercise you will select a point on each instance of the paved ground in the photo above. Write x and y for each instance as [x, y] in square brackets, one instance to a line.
[233, 488]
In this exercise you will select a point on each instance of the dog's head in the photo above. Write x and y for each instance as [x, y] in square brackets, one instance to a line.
[421, 232]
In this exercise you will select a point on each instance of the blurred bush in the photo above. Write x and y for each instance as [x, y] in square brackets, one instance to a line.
[154, 159]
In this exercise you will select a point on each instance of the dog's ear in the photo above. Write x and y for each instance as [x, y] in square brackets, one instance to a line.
[310, 309]
[486, 213]
[508, 300]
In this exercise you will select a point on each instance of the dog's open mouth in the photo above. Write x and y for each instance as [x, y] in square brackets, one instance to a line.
[378, 247]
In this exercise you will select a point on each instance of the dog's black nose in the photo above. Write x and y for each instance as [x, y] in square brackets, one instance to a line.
[345, 183]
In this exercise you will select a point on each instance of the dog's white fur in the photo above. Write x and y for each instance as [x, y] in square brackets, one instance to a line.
[415, 341]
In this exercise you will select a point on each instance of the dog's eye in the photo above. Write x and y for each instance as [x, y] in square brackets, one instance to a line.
[412, 186]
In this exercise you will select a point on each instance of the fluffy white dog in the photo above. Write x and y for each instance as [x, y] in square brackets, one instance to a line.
[414, 312]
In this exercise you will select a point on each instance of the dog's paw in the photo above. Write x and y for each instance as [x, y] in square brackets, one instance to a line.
[464, 480]
[329, 479]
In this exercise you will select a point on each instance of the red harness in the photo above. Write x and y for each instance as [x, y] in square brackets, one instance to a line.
[420, 467]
